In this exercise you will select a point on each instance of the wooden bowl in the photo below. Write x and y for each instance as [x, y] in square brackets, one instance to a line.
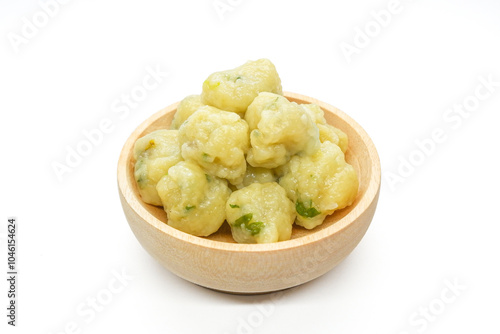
[217, 262]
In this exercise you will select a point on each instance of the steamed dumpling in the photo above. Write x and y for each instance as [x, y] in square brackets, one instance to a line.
[257, 175]
[234, 90]
[186, 108]
[279, 129]
[319, 184]
[154, 153]
[216, 140]
[194, 201]
[260, 213]
[327, 132]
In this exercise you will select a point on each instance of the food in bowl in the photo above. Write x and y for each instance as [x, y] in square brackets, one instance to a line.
[195, 200]
[279, 129]
[247, 155]
[154, 154]
[217, 140]
[319, 184]
[248, 208]
[234, 90]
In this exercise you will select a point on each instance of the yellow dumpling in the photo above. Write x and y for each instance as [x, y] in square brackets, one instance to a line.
[234, 90]
[257, 175]
[279, 129]
[319, 184]
[327, 132]
[260, 213]
[154, 153]
[330, 133]
[216, 140]
[185, 109]
[194, 201]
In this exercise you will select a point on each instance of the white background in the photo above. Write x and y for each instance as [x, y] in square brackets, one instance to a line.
[437, 224]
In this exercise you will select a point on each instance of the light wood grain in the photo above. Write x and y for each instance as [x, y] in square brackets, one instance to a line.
[217, 262]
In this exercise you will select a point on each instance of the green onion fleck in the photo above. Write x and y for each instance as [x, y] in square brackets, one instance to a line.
[304, 211]
[141, 181]
[254, 227]
[244, 221]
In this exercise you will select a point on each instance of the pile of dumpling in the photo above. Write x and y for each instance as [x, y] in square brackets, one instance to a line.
[241, 152]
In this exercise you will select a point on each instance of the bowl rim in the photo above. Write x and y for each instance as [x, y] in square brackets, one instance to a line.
[364, 203]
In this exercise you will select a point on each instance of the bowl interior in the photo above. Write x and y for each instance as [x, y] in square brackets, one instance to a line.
[361, 155]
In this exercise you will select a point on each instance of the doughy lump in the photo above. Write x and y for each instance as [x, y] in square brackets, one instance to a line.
[278, 130]
[260, 213]
[257, 175]
[319, 184]
[216, 140]
[327, 132]
[154, 153]
[194, 201]
[234, 90]
[185, 109]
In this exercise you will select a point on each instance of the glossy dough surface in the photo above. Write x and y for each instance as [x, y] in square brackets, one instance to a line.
[278, 129]
[257, 175]
[194, 201]
[234, 90]
[260, 213]
[186, 108]
[216, 140]
[155, 153]
[327, 132]
[319, 184]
